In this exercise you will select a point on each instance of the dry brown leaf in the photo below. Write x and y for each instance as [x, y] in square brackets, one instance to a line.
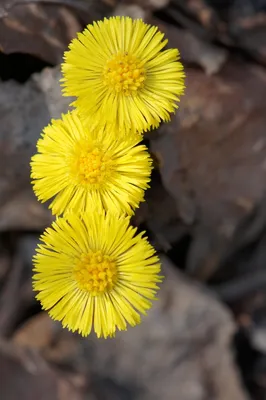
[213, 152]
[42, 30]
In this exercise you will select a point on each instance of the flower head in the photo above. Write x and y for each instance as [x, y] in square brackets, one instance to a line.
[92, 271]
[85, 170]
[122, 76]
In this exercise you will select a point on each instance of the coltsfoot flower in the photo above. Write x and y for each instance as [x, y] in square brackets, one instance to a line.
[122, 76]
[93, 272]
[87, 170]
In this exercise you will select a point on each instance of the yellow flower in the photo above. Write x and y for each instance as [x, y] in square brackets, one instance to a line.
[92, 271]
[85, 170]
[121, 75]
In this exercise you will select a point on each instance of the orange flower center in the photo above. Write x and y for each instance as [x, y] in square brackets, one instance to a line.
[95, 273]
[124, 73]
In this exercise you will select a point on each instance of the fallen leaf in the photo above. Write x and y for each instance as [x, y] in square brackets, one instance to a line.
[27, 376]
[193, 49]
[213, 151]
[24, 111]
[42, 30]
[84, 6]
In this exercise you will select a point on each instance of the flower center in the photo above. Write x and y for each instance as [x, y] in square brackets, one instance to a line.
[124, 73]
[91, 166]
[95, 273]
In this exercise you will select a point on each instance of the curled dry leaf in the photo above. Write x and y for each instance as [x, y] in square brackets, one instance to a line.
[42, 30]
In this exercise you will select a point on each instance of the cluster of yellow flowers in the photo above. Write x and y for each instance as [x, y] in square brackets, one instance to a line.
[92, 270]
